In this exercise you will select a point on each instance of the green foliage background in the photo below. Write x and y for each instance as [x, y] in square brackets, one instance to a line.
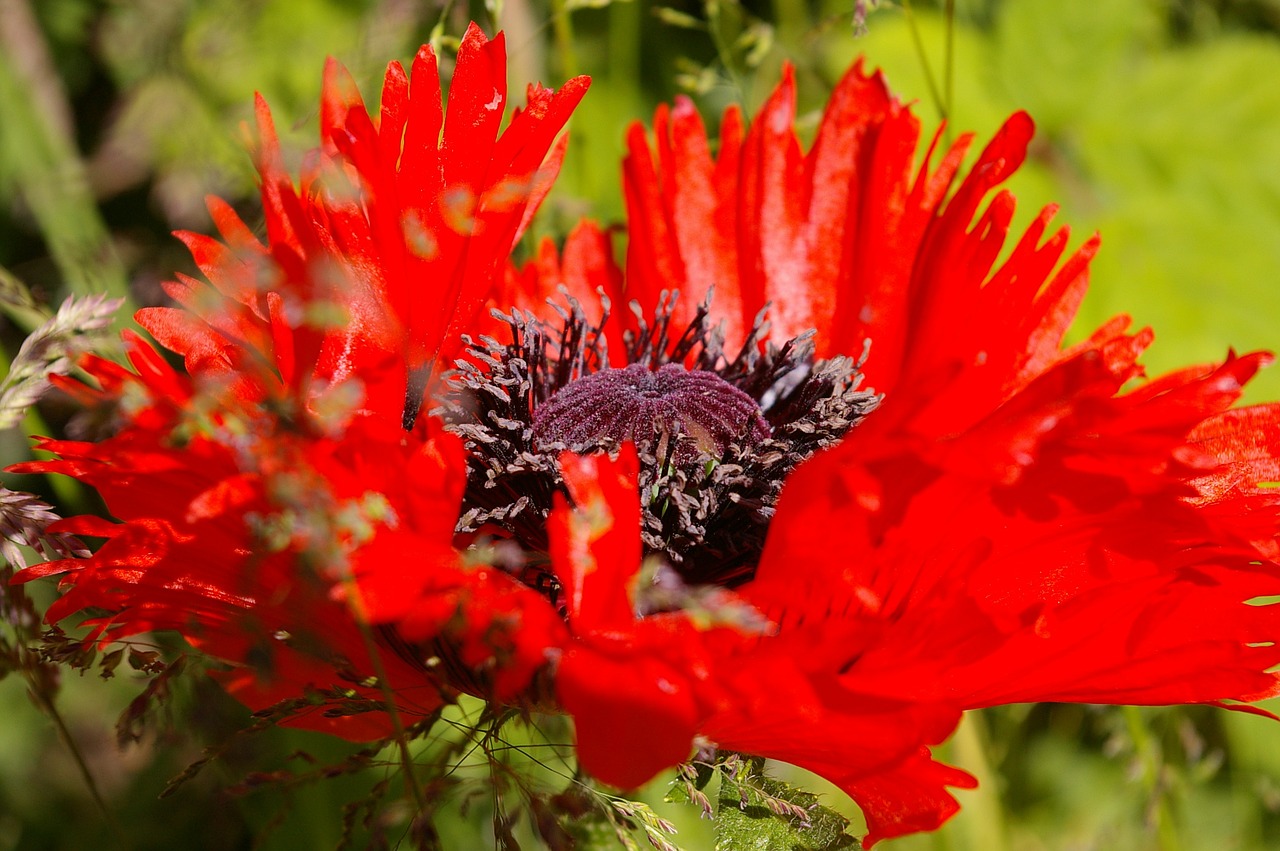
[1159, 126]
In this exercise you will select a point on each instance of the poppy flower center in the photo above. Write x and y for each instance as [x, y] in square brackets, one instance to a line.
[691, 413]
[682, 400]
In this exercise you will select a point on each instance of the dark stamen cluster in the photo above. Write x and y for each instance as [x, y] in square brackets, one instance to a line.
[716, 436]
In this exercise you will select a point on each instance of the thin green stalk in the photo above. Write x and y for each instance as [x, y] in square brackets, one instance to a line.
[380, 671]
[50, 710]
[436, 36]
[791, 17]
[917, 41]
[984, 820]
[723, 49]
[949, 62]
[625, 29]
[1149, 755]
[562, 26]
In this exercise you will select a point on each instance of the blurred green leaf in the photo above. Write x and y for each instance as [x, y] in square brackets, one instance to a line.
[677, 18]
[1066, 61]
[41, 163]
[573, 5]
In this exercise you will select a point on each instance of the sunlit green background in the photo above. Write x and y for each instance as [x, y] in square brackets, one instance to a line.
[1159, 126]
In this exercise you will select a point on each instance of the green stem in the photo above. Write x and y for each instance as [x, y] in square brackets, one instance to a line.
[562, 26]
[949, 61]
[50, 710]
[625, 30]
[918, 42]
[791, 18]
[380, 671]
[723, 49]
[1149, 755]
[984, 819]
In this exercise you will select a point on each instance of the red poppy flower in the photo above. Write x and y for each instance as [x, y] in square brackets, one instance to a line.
[817, 533]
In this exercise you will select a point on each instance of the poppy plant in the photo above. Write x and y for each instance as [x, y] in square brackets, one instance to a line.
[834, 479]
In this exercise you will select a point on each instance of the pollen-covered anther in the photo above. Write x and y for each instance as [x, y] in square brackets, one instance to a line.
[699, 410]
